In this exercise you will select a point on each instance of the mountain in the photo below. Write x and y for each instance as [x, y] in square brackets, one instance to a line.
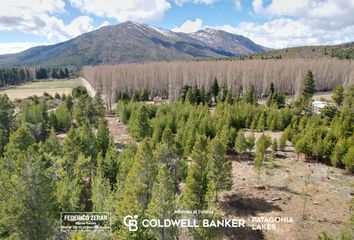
[236, 44]
[130, 42]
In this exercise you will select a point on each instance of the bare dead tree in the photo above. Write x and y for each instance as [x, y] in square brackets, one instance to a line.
[166, 78]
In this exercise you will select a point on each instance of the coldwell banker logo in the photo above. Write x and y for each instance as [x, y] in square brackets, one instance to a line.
[131, 222]
[257, 223]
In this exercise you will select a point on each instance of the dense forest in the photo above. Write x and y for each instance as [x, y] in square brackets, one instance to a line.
[166, 79]
[178, 159]
[342, 51]
[12, 76]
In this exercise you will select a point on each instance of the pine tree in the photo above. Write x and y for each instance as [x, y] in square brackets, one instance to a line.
[103, 137]
[67, 192]
[125, 161]
[52, 144]
[215, 88]
[250, 142]
[219, 166]
[88, 145]
[261, 122]
[190, 96]
[139, 124]
[69, 102]
[98, 106]
[240, 143]
[63, 118]
[27, 203]
[82, 171]
[166, 153]
[317, 147]
[53, 121]
[162, 204]
[6, 120]
[338, 152]
[20, 140]
[258, 162]
[144, 96]
[338, 95]
[71, 145]
[348, 159]
[263, 143]
[261, 147]
[196, 182]
[270, 166]
[229, 99]
[307, 88]
[110, 164]
[137, 189]
[275, 145]
[282, 141]
[141, 177]
[102, 196]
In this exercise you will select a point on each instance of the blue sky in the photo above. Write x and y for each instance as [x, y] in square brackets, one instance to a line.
[272, 23]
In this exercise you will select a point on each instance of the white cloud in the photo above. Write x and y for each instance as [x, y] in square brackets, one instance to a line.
[135, 10]
[206, 2]
[189, 26]
[319, 13]
[40, 18]
[286, 32]
[15, 47]
[297, 23]
[238, 5]
[257, 6]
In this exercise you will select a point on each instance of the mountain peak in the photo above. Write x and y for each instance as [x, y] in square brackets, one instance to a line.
[210, 30]
[130, 42]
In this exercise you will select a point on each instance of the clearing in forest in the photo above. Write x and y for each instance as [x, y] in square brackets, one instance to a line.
[38, 88]
[327, 191]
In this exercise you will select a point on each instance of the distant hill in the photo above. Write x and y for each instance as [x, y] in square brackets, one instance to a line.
[131, 42]
[341, 51]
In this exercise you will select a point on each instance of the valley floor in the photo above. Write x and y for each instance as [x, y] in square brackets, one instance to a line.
[39, 87]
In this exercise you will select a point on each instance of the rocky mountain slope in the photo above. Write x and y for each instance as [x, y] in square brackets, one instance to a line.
[131, 42]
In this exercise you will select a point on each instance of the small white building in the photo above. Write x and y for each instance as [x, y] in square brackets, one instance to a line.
[318, 105]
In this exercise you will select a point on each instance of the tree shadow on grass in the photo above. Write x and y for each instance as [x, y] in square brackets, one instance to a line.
[239, 205]
[285, 189]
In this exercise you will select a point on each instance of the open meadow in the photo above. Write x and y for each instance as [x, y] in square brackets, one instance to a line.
[39, 87]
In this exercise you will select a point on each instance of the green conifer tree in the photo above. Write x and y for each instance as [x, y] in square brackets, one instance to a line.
[27, 203]
[338, 95]
[103, 137]
[137, 190]
[250, 142]
[307, 88]
[338, 152]
[240, 143]
[219, 167]
[215, 89]
[275, 145]
[162, 204]
[139, 123]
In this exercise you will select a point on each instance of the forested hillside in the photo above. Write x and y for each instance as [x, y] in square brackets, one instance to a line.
[341, 51]
[166, 79]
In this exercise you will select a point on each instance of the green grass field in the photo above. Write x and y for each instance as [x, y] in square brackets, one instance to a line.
[38, 88]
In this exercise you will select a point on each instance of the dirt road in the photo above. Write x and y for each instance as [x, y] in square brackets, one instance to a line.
[91, 91]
